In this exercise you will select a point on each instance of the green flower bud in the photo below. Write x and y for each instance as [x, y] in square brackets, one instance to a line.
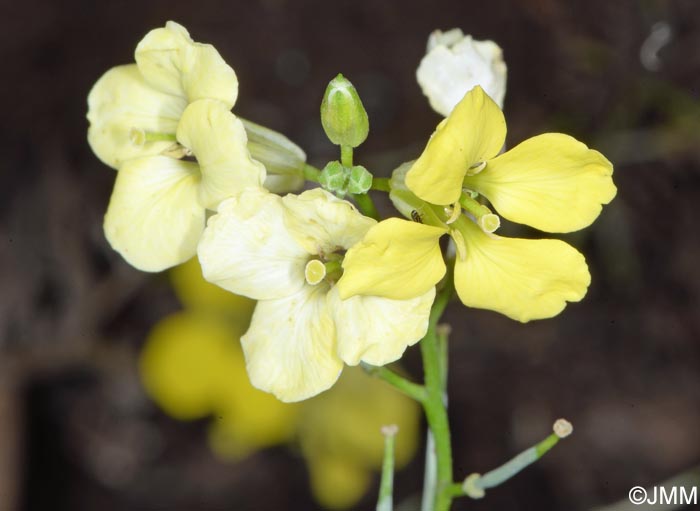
[334, 178]
[343, 116]
[360, 180]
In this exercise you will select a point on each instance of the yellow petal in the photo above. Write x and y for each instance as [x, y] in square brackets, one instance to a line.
[396, 259]
[171, 62]
[378, 330]
[182, 363]
[322, 223]
[523, 279]
[121, 101]
[154, 219]
[196, 293]
[290, 347]
[218, 140]
[473, 132]
[246, 248]
[551, 182]
[335, 483]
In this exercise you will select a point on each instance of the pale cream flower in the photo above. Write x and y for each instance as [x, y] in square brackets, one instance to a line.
[454, 64]
[134, 109]
[286, 253]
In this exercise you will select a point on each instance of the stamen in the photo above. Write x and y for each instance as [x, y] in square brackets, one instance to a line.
[314, 272]
[460, 244]
[489, 222]
[476, 168]
[455, 211]
[139, 137]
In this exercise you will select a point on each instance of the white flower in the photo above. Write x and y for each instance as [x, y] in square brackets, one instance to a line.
[285, 253]
[454, 64]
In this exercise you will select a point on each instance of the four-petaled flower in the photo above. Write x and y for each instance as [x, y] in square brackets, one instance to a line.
[551, 182]
[286, 253]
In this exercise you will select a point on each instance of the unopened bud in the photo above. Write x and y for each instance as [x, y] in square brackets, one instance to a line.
[334, 178]
[343, 116]
[360, 180]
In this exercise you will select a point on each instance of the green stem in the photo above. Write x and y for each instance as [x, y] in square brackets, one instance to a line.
[366, 205]
[434, 367]
[386, 487]
[346, 156]
[412, 390]
[311, 173]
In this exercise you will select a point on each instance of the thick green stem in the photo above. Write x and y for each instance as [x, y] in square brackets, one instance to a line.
[381, 184]
[346, 156]
[311, 173]
[434, 367]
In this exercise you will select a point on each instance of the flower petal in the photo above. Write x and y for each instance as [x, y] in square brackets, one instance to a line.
[218, 140]
[396, 259]
[523, 279]
[378, 330]
[322, 223]
[171, 62]
[290, 347]
[154, 219]
[247, 249]
[474, 132]
[551, 182]
[121, 101]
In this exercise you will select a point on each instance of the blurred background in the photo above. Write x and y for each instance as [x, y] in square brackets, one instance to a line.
[79, 432]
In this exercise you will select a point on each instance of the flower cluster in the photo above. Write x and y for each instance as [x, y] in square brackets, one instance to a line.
[334, 286]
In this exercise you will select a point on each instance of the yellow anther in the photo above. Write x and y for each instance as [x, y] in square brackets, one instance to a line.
[137, 136]
[314, 272]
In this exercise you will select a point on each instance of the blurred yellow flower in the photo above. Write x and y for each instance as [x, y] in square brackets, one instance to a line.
[193, 367]
[551, 182]
[285, 253]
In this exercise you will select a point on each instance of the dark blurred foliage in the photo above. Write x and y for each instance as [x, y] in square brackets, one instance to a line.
[76, 430]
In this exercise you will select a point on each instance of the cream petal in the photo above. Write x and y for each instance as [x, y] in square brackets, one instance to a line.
[474, 132]
[171, 62]
[154, 219]
[396, 259]
[290, 347]
[322, 223]
[218, 140]
[378, 330]
[121, 101]
[523, 279]
[551, 182]
[454, 64]
[247, 250]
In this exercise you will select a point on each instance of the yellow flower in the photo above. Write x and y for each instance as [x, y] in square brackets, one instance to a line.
[284, 252]
[174, 102]
[551, 182]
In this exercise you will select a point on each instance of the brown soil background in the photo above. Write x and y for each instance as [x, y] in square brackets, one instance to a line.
[76, 431]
